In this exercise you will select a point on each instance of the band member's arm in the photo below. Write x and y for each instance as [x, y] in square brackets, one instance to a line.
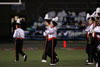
[51, 31]
[97, 29]
[15, 34]
[87, 29]
[45, 34]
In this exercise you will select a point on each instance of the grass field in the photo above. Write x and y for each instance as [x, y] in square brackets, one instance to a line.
[68, 58]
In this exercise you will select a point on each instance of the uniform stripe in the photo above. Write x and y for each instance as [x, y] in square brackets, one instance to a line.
[45, 46]
[15, 48]
[52, 51]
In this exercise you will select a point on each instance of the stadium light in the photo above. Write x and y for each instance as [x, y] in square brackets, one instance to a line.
[11, 3]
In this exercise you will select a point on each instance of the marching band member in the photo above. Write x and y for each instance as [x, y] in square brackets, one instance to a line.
[47, 23]
[92, 38]
[97, 32]
[52, 39]
[19, 36]
[89, 42]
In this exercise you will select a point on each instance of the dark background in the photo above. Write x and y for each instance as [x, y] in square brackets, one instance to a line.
[32, 9]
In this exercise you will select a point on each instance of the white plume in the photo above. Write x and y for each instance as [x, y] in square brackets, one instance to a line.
[55, 19]
[88, 16]
[47, 16]
[98, 10]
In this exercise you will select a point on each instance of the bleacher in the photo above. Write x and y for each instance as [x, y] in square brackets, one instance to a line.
[71, 26]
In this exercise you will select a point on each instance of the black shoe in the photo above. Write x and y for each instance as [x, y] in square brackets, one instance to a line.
[25, 57]
[56, 60]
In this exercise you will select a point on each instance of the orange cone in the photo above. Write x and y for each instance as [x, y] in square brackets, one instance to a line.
[65, 44]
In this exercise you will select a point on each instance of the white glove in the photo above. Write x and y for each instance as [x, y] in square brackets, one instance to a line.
[44, 34]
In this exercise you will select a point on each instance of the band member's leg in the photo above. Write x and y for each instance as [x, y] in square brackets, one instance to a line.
[17, 50]
[44, 57]
[20, 48]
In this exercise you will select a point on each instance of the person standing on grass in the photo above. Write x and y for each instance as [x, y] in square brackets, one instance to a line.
[19, 36]
[89, 40]
[97, 32]
[52, 39]
[47, 23]
[93, 37]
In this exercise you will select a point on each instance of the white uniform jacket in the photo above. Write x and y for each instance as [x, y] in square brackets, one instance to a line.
[18, 34]
[97, 31]
[51, 32]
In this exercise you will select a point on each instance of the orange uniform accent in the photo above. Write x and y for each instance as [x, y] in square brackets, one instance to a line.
[20, 38]
[52, 38]
[95, 35]
[87, 35]
[98, 38]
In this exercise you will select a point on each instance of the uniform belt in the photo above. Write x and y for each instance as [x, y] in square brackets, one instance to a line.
[52, 38]
[20, 38]
[98, 38]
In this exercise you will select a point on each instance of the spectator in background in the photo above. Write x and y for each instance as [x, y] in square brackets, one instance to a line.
[15, 20]
[83, 26]
[13, 23]
[52, 14]
[12, 27]
[62, 17]
[22, 21]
